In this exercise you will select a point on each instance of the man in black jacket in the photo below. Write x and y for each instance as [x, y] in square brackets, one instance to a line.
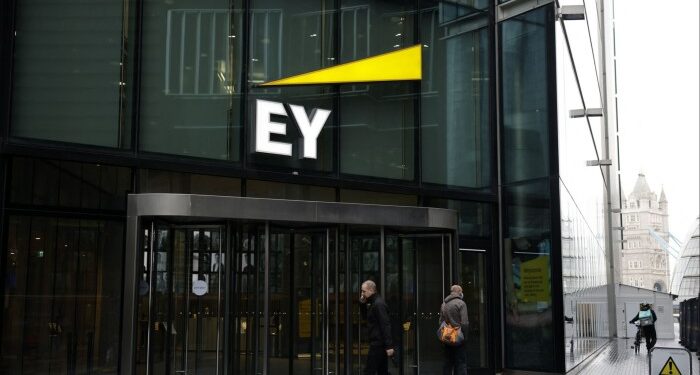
[378, 329]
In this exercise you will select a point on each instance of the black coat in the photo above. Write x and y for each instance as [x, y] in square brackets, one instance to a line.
[378, 323]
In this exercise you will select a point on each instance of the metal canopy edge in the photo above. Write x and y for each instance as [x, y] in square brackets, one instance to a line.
[246, 208]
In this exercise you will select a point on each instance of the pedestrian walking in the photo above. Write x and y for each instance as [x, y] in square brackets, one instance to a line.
[454, 324]
[379, 330]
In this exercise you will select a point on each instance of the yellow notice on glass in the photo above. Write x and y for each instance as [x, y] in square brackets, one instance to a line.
[534, 278]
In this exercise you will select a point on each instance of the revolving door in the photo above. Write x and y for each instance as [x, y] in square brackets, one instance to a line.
[226, 291]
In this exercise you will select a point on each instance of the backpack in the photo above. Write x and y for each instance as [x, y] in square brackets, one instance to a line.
[645, 318]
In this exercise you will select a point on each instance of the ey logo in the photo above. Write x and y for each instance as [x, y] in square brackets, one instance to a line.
[401, 65]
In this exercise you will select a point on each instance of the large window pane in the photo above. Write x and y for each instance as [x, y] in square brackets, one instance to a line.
[44, 182]
[67, 72]
[62, 296]
[155, 181]
[456, 139]
[525, 94]
[289, 38]
[377, 121]
[190, 72]
[278, 190]
[527, 248]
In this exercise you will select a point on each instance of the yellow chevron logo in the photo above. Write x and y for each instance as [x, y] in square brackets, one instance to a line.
[401, 65]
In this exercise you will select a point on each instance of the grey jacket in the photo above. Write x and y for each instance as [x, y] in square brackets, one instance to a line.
[454, 312]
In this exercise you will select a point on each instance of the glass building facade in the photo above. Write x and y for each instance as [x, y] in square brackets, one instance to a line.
[112, 103]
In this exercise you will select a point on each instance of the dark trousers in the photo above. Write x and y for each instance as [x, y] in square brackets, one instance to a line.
[650, 336]
[377, 361]
[455, 360]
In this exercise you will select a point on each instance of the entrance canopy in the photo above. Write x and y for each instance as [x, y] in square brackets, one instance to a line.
[221, 207]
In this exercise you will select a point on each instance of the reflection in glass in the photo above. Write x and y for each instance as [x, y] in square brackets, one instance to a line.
[474, 217]
[527, 243]
[525, 94]
[69, 184]
[190, 73]
[377, 121]
[62, 296]
[455, 131]
[473, 281]
[289, 38]
[68, 77]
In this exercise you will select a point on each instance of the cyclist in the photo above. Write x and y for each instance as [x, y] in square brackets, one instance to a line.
[647, 318]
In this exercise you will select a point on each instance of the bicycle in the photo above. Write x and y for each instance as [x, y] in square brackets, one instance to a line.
[637, 338]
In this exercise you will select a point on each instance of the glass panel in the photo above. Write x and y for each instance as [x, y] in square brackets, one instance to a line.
[248, 307]
[409, 321]
[474, 218]
[161, 275]
[282, 323]
[456, 137]
[377, 121]
[69, 184]
[66, 80]
[431, 289]
[289, 38]
[278, 190]
[372, 197]
[529, 341]
[525, 92]
[365, 247]
[156, 181]
[473, 281]
[190, 78]
[455, 9]
[47, 328]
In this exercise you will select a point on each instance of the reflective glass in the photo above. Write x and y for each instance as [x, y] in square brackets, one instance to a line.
[155, 181]
[377, 121]
[278, 190]
[527, 244]
[289, 38]
[62, 296]
[68, 77]
[373, 197]
[525, 94]
[69, 184]
[473, 277]
[190, 78]
[474, 217]
[456, 138]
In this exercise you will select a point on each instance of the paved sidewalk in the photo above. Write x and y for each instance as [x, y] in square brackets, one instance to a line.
[618, 358]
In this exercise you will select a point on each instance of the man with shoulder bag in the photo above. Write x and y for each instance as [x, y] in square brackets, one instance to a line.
[454, 324]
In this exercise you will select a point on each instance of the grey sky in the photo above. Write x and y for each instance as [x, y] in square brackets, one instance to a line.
[658, 96]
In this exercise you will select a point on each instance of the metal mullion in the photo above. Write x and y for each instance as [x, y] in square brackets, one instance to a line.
[248, 24]
[198, 53]
[168, 38]
[348, 303]
[325, 302]
[212, 54]
[182, 50]
[218, 308]
[417, 103]
[336, 305]
[169, 338]
[150, 298]
[416, 286]
[188, 280]
[136, 77]
[382, 264]
[266, 302]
